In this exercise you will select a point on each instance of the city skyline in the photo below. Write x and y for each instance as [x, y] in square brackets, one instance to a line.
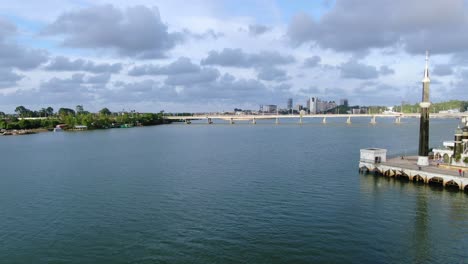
[215, 55]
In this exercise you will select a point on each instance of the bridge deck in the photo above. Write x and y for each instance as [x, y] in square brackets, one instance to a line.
[258, 117]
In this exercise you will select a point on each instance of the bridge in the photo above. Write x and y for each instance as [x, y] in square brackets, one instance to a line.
[254, 118]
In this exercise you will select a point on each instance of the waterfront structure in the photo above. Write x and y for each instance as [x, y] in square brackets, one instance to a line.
[375, 160]
[418, 168]
[423, 158]
[454, 152]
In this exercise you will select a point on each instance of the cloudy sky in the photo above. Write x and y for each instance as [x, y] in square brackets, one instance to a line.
[214, 55]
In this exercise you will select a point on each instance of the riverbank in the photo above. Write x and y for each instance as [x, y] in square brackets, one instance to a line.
[21, 132]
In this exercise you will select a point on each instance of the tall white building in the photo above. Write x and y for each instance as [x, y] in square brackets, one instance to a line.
[312, 105]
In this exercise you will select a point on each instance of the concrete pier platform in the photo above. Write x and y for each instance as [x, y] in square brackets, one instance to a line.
[443, 174]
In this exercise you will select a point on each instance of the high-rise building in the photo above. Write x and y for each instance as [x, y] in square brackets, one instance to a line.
[344, 102]
[290, 104]
[312, 105]
[423, 154]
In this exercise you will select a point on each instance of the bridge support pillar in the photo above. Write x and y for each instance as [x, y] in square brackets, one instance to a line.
[373, 122]
[324, 120]
[348, 121]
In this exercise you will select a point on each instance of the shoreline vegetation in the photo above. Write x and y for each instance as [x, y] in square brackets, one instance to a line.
[26, 121]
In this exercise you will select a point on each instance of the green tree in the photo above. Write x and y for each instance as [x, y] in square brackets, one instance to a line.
[105, 111]
[66, 111]
[23, 111]
[79, 109]
[42, 112]
[50, 111]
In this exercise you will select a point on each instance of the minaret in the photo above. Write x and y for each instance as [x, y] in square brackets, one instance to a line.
[423, 159]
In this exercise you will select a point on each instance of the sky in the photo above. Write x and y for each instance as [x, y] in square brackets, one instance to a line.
[217, 55]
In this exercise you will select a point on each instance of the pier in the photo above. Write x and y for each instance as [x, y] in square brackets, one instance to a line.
[374, 161]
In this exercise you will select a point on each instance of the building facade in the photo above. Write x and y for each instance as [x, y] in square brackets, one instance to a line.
[290, 104]
[270, 109]
[344, 102]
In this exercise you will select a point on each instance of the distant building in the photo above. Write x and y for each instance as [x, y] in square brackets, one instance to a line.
[312, 105]
[317, 106]
[454, 152]
[450, 111]
[298, 107]
[270, 109]
[290, 104]
[344, 102]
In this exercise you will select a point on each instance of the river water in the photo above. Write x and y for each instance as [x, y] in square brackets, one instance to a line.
[223, 193]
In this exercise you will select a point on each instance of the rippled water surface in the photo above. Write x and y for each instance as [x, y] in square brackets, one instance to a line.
[222, 193]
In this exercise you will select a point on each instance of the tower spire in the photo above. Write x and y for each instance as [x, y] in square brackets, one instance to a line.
[426, 69]
[423, 159]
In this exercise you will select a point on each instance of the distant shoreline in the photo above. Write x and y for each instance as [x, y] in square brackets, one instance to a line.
[22, 132]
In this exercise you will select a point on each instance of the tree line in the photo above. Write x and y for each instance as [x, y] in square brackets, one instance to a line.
[48, 119]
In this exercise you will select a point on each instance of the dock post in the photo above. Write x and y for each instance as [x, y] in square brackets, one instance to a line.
[373, 122]
[324, 120]
[348, 121]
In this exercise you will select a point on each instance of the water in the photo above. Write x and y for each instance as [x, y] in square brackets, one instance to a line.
[224, 194]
